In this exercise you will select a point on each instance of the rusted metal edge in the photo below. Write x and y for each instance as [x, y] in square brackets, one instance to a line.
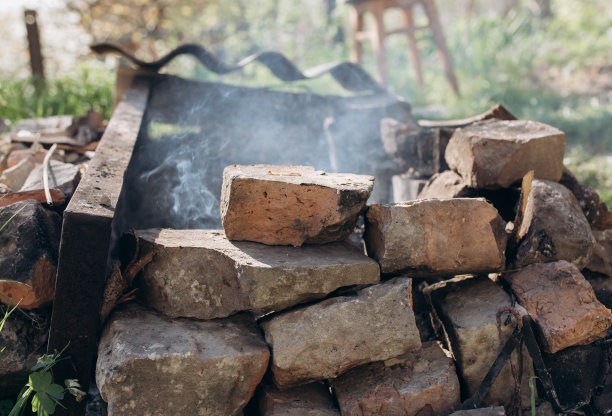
[85, 241]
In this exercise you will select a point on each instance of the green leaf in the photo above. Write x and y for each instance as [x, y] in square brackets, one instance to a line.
[24, 393]
[47, 394]
[42, 404]
[7, 313]
[20, 406]
[56, 391]
[40, 380]
[532, 388]
[9, 302]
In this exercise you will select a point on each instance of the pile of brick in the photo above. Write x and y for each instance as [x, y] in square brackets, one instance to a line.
[31, 226]
[30, 239]
[283, 313]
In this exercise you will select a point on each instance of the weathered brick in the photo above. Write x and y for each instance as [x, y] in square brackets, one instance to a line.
[291, 205]
[22, 340]
[15, 176]
[29, 252]
[466, 308]
[576, 372]
[445, 185]
[149, 364]
[553, 228]
[427, 237]
[601, 261]
[326, 339]
[62, 176]
[449, 184]
[199, 273]
[562, 303]
[411, 146]
[496, 154]
[414, 383]
[309, 400]
[483, 411]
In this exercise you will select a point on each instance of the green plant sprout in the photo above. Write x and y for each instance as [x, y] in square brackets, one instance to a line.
[11, 219]
[7, 313]
[533, 396]
[47, 395]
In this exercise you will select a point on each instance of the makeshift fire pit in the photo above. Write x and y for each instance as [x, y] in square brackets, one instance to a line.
[283, 310]
[177, 136]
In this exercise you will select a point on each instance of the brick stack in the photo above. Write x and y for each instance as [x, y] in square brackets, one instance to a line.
[282, 255]
[325, 335]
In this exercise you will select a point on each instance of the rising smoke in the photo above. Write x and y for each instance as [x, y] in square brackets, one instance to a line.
[193, 130]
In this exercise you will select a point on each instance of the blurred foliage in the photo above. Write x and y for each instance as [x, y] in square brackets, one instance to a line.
[89, 86]
[544, 70]
[555, 68]
[230, 30]
[594, 171]
[531, 64]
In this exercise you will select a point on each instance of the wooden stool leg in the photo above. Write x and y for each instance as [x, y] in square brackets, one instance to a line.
[412, 44]
[356, 26]
[378, 40]
[434, 24]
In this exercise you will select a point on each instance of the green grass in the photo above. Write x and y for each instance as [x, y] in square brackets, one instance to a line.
[538, 69]
[533, 67]
[593, 171]
[88, 86]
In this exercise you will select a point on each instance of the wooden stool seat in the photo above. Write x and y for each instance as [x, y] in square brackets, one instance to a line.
[378, 33]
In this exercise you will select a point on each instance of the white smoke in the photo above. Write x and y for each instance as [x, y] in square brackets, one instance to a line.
[175, 175]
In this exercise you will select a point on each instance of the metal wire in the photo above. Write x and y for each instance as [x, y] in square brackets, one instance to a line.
[46, 174]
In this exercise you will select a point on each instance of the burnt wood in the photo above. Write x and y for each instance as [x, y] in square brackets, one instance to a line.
[85, 244]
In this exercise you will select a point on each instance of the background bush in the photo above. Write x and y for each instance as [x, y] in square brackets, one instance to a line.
[556, 69]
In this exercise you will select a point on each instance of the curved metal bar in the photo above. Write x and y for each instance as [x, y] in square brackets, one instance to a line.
[350, 76]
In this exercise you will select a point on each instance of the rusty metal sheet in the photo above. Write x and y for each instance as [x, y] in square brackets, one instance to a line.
[349, 75]
[85, 244]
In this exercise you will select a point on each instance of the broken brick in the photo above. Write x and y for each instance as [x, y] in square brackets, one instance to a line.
[496, 154]
[291, 205]
[562, 304]
[30, 243]
[428, 237]
[201, 274]
[415, 383]
[326, 339]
